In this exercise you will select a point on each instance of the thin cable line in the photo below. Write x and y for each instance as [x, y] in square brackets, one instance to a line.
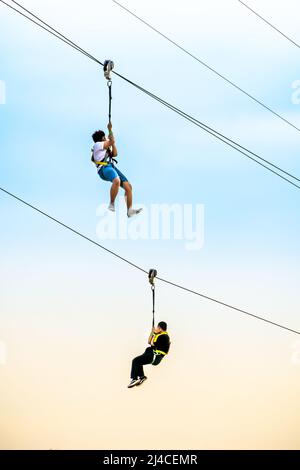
[72, 230]
[160, 100]
[227, 142]
[226, 305]
[58, 36]
[76, 232]
[207, 66]
[270, 24]
[172, 107]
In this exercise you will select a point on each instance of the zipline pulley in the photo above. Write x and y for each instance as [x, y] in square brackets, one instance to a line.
[107, 69]
[152, 275]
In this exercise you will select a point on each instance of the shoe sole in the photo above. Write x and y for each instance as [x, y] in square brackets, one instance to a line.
[131, 386]
[140, 383]
[136, 213]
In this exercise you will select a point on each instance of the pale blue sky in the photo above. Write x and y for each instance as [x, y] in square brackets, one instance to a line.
[55, 99]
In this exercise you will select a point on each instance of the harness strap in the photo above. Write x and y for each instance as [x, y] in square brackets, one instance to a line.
[108, 159]
[160, 353]
[107, 69]
[109, 84]
[153, 305]
[151, 276]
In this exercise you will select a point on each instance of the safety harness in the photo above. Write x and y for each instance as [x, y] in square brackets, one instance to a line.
[156, 336]
[107, 160]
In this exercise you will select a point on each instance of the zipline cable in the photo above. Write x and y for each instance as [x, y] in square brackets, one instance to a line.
[270, 24]
[176, 44]
[173, 108]
[72, 230]
[211, 299]
[58, 36]
[50, 29]
[226, 305]
[226, 140]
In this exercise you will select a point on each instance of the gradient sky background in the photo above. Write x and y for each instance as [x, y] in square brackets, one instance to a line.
[72, 316]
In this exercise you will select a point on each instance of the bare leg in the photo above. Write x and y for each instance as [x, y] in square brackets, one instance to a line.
[114, 190]
[128, 194]
[128, 198]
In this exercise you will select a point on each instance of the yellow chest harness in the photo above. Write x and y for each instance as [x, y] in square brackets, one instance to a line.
[155, 337]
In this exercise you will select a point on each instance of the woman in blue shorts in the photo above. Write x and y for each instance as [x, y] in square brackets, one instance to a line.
[103, 153]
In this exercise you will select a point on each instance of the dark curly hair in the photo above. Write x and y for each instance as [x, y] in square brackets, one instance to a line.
[98, 136]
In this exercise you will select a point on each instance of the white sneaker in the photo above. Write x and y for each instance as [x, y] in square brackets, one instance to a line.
[132, 212]
[141, 380]
[111, 207]
[133, 383]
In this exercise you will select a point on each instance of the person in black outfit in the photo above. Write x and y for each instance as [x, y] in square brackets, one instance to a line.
[159, 342]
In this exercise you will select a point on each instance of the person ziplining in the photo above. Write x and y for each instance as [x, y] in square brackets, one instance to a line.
[103, 156]
[159, 344]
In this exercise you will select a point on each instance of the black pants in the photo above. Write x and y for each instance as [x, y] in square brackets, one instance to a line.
[138, 362]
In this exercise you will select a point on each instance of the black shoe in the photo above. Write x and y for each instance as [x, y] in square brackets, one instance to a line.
[141, 380]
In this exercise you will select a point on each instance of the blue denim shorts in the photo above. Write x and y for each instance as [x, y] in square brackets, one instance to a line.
[110, 172]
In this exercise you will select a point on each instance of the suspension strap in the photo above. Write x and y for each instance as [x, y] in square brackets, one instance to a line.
[153, 305]
[151, 276]
[109, 84]
[107, 69]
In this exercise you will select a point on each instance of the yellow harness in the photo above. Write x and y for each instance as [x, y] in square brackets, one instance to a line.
[155, 337]
[104, 162]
